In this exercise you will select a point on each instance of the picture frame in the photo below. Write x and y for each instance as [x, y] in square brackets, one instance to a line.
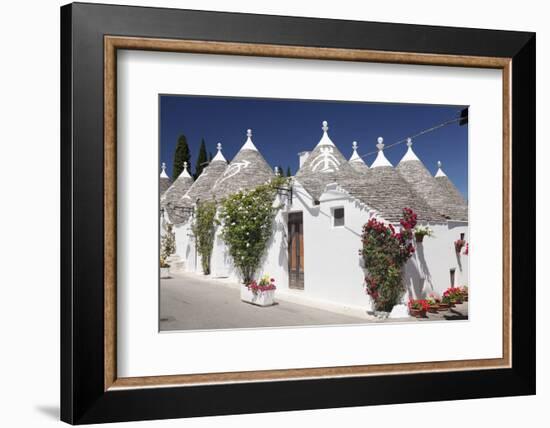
[91, 391]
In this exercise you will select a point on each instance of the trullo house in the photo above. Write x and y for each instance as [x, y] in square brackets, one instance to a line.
[313, 252]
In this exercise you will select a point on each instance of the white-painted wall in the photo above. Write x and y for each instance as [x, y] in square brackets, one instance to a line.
[333, 269]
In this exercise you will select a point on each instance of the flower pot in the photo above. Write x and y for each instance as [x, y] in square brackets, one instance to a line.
[443, 307]
[458, 301]
[164, 272]
[260, 298]
[419, 238]
[418, 313]
[433, 309]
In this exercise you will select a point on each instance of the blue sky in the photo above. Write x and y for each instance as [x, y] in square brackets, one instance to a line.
[281, 128]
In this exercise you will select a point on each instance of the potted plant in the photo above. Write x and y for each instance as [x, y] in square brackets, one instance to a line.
[418, 307]
[445, 304]
[433, 302]
[420, 232]
[164, 268]
[454, 295]
[260, 293]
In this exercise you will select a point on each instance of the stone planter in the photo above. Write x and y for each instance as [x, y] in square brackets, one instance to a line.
[381, 314]
[164, 272]
[260, 298]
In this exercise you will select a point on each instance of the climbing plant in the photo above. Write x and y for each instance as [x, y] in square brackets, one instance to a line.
[204, 229]
[247, 219]
[167, 243]
[385, 252]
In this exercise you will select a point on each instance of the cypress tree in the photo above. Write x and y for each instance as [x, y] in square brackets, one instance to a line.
[288, 173]
[281, 171]
[210, 157]
[202, 159]
[181, 155]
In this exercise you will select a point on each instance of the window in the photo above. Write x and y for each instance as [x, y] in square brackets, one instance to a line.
[338, 215]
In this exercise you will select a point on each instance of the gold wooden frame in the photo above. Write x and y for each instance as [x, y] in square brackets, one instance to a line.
[113, 43]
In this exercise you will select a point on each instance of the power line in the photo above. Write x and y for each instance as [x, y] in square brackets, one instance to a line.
[425, 131]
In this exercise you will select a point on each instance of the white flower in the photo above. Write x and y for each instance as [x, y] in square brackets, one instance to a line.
[247, 244]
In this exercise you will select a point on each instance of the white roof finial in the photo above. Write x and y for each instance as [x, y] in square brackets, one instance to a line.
[249, 145]
[440, 172]
[410, 155]
[219, 155]
[185, 173]
[325, 139]
[163, 172]
[355, 156]
[381, 159]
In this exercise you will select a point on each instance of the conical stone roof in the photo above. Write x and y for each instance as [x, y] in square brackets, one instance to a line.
[325, 165]
[200, 190]
[385, 190]
[178, 187]
[421, 181]
[246, 171]
[164, 182]
[457, 206]
[356, 162]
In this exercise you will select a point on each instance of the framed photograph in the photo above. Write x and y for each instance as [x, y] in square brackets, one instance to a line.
[272, 213]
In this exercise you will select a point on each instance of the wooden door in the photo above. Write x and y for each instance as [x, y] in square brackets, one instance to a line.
[296, 251]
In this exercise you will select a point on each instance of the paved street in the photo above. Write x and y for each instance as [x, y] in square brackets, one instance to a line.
[193, 302]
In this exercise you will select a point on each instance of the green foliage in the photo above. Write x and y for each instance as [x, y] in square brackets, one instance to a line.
[288, 173]
[167, 244]
[204, 229]
[385, 252]
[181, 155]
[202, 159]
[247, 219]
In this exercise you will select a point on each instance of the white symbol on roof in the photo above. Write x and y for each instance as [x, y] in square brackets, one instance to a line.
[325, 160]
[234, 168]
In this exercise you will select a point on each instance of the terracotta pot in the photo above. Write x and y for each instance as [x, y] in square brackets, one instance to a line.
[444, 307]
[418, 313]
[433, 309]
